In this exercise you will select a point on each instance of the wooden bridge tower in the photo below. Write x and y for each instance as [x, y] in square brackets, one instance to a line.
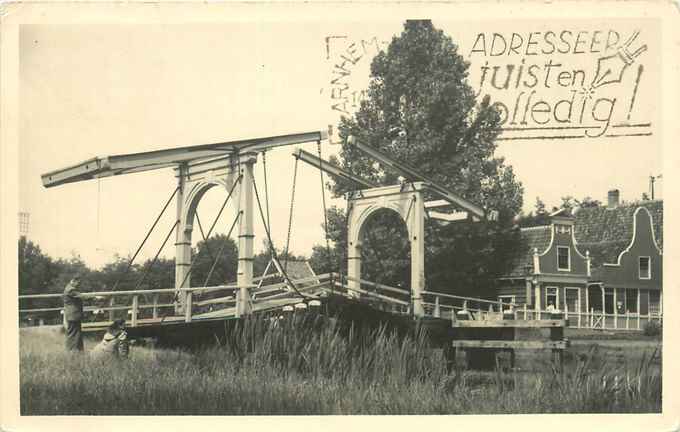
[197, 169]
[407, 201]
[194, 179]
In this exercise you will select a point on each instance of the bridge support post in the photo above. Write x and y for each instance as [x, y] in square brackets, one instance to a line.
[182, 242]
[246, 235]
[417, 233]
[354, 267]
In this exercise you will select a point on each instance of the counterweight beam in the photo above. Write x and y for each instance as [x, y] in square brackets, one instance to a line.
[331, 169]
[412, 174]
[135, 162]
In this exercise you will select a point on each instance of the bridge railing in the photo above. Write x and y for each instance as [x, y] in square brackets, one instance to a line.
[442, 305]
[446, 306]
[139, 305]
[154, 305]
[385, 297]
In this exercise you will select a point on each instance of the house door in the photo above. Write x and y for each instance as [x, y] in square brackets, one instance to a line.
[572, 306]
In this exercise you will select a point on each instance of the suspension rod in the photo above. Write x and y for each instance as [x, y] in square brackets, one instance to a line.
[155, 258]
[193, 261]
[219, 252]
[205, 239]
[127, 269]
[231, 191]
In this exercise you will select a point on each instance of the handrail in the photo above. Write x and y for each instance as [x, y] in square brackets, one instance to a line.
[270, 288]
[283, 294]
[372, 294]
[229, 299]
[137, 292]
[468, 298]
[378, 285]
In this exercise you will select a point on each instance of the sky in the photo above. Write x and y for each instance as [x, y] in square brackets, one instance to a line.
[95, 90]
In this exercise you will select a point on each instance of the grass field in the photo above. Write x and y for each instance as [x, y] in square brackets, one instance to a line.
[297, 370]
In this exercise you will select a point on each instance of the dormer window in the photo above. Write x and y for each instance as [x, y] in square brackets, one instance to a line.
[563, 259]
[644, 268]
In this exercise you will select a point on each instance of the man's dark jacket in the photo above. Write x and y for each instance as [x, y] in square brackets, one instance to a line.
[73, 304]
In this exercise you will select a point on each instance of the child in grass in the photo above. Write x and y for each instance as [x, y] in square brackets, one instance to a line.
[114, 343]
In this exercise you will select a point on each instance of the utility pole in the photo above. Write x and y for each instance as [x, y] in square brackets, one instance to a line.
[653, 179]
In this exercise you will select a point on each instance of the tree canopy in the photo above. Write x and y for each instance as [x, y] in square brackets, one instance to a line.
[421, 110]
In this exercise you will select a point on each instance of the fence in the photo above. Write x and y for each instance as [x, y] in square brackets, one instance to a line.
[157, 305]
[447, 305]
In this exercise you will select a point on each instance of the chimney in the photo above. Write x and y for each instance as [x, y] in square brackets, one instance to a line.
[613, 198]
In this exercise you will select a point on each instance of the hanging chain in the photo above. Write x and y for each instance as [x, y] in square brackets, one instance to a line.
[347, 213]
[266, 186]
[290, 216]
[272, 250]
[325, 216]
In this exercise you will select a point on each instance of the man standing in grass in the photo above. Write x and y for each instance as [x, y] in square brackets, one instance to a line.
[73, 314]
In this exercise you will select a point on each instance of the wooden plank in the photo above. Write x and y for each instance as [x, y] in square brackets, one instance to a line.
[372, 294]
[451, 296]
[148, 291]
[379, 286]
[436, 204]
[318, 280]
[286, 293]
[512, 323]
[448, 217]
[187, 307]
[220, 300]
[510, 344]
[135, 305]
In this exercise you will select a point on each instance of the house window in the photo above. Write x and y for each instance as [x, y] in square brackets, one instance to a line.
[654, 302]
[644, 268]
[644, 302]
[632, 300]
[563, 258]
[506, 301]
[609, 300]
[552, 299]
[620, 301]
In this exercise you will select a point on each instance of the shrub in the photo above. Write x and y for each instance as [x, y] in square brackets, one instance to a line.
[653, 328]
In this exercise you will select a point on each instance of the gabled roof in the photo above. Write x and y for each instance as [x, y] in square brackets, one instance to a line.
[538, 238]
[605, 232]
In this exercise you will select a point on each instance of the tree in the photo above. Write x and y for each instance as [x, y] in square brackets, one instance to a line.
[421, 110]
[36, 269]
[36, 273]
[588, 202]
[538, 217]
[218, 248]
[320, 260]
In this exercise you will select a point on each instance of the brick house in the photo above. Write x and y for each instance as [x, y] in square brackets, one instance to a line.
[551, 271]
[606, 260]
[625, 242]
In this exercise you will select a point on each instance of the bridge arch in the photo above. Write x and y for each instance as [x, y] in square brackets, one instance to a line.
[194, 180]
[195, 191]
[406, 201]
